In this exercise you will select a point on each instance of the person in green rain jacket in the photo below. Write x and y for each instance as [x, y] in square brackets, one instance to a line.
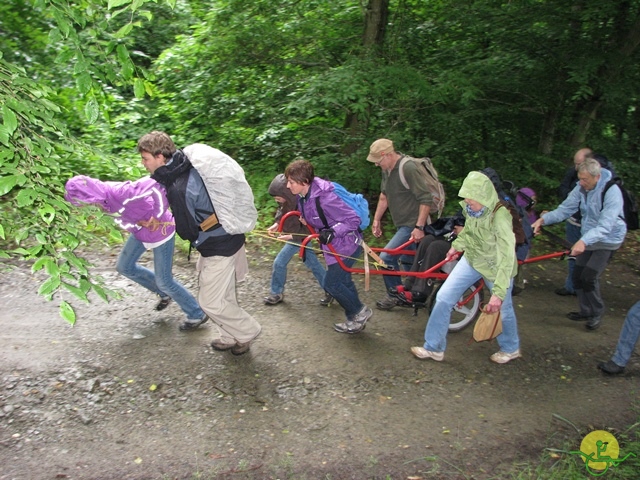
[488, 243]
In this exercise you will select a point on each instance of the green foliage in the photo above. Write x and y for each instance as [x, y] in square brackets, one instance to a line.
[37, 225]
[513, 85]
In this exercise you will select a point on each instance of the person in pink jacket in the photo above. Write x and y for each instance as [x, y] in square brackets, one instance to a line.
[141, 208]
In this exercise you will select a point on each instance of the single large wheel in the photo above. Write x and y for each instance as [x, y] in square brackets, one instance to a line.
[466, 311]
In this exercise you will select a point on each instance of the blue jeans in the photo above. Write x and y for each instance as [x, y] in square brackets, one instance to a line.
[572, 234]
[628, 336]
[462, 277]
[161, 282]
[279, 272]
[402, 236]
[339, 284]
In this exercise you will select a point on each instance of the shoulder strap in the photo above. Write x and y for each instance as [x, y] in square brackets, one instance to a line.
[321, 214]
[607, 186]
[403, 162]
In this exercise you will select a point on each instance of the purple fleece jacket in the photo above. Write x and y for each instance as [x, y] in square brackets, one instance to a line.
[129, 202]
[342, 219]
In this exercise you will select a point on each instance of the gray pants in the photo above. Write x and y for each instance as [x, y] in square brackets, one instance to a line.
[586, 280]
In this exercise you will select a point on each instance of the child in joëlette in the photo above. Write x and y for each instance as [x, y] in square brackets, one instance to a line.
[293, 232]
[141, 208]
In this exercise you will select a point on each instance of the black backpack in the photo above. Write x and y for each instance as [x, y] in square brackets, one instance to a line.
[630, 204]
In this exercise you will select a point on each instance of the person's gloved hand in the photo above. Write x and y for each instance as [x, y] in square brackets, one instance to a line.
[326, 236]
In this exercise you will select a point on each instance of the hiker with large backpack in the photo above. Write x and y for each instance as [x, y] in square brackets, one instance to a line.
[602, 230]
[338, 225]
[213, 208]
[410, 190]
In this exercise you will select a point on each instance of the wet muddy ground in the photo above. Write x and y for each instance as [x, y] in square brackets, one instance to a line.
[124, 395]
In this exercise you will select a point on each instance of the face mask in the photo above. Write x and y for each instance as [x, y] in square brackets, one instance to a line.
[475, 214]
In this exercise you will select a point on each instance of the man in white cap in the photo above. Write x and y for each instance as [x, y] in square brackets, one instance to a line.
[409, 207]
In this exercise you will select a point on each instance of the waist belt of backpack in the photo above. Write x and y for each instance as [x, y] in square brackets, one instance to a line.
[209, 223]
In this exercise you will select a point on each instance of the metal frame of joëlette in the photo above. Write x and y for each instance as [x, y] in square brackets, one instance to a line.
[430, 273]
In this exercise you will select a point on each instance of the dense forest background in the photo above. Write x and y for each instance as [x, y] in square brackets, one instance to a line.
[516, 85]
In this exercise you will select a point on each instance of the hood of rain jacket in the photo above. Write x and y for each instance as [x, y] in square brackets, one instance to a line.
[488, 241]
[291, 225]
[129, 202]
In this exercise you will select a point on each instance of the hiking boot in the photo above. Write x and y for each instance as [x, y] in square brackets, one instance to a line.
[188, 326]
[578, 316]
[593, 323]
[355, 324]
[564, 292]
[504, 357]
[327, 300]
[274, 299]
[386, 303]
[423, 353]
[220, 346]
[241, 348]
[611, 368]
[163, 303]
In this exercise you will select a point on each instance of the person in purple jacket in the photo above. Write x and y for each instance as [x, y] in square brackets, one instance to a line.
[141, 208]
[342, 234]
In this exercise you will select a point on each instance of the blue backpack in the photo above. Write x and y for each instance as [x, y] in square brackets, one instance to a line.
[355, 200]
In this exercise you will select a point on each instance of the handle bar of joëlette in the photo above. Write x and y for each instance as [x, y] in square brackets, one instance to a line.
[432, 272]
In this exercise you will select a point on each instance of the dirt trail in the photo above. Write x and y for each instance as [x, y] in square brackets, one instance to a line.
[124, 394]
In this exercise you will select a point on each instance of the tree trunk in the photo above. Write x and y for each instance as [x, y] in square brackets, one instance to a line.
[375, 25]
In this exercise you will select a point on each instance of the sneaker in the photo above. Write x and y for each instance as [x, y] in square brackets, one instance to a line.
[240, 348]
[611, 368]
[356, 324]
[423, 353]
[163, 303]
[363, 315]
[386, 303]
[593, 323]
[188, 326]
[504, 357]
[220, 346]
[274, 299]
[327, 300]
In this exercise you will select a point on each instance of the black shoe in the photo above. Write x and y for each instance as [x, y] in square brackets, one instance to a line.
[564, 292]
[163, 303]
[188, 326]
[594, 322]
[611, 368]
[578, 317]
[327, 300]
